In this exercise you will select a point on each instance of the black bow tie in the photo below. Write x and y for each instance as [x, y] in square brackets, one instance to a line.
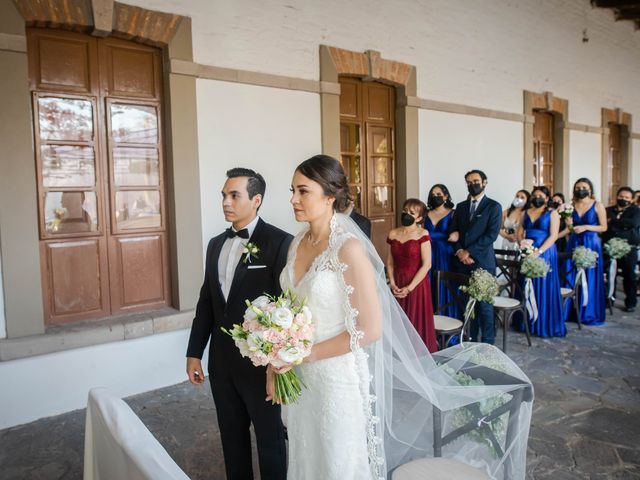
[244, 233]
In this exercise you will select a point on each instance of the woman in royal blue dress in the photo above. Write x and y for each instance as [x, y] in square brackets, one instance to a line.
[589, 218]
[439, 215]
[541, 226]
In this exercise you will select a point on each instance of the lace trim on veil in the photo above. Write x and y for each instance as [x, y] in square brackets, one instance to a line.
[374, 442]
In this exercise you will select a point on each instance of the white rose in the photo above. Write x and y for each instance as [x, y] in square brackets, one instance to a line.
[249, 314]
[254, 341]
[290, 355]
[282, 317]
[261, 302]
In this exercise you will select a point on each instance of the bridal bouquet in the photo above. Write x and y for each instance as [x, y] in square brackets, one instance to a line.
[276, 331]
[584, 258]
[617, 248]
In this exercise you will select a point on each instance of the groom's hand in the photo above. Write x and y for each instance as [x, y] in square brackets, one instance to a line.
[194, 370]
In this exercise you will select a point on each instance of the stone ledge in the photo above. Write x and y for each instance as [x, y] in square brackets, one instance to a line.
[77, 335]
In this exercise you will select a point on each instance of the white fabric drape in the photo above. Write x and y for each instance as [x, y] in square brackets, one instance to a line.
[117, 445]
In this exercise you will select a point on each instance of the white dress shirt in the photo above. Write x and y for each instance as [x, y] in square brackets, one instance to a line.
[230, 255]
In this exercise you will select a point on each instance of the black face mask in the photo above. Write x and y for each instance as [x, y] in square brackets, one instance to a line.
[622, 202]
[407, 219]
[435, 201]
[581, 193]
[554, 205]
[537, 202]
[475, 189]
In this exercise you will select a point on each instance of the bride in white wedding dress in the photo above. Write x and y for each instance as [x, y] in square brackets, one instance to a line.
[371, 383]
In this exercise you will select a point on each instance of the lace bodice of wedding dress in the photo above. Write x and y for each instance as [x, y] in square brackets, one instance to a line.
[327, 428]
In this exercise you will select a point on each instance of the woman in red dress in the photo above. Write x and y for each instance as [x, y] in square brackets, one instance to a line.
[408, 265]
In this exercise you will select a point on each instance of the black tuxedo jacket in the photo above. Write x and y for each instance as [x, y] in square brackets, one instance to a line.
[363, 222]
[627, 226]
[251, 279]
[477, 234]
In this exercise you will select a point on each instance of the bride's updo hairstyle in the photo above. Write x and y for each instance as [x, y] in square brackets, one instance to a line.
[328, 172]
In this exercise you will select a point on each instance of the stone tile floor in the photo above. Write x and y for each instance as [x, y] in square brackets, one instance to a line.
[586, 419]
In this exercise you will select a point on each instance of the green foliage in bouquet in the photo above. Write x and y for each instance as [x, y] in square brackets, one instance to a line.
[584, 258]
[534, 267]
[617, 248]
[482, 286]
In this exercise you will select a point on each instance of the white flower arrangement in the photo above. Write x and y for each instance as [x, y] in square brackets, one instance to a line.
[617, 248]
[250, 251]
[534, 267]
[584, 257]
[482, 287]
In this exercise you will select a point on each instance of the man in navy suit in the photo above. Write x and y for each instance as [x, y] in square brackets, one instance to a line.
[477, 221]
[231, 276]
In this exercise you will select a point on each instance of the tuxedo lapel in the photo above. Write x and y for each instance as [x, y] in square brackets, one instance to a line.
[215, 255]
[241, 267]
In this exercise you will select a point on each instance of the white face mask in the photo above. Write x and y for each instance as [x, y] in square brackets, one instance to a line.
[518, 202]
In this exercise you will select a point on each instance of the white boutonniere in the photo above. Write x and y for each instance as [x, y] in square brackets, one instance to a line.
[250, 251]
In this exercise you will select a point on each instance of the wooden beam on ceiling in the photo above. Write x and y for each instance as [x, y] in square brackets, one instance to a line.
[615, 3]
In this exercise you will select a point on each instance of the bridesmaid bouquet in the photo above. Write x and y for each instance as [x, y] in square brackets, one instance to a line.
[584, 258]
[617, 248]
[276, 331]
[526, 247]
[566, 210]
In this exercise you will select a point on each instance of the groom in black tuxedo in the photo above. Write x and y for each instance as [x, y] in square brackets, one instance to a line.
[231, 277]
[477, 221]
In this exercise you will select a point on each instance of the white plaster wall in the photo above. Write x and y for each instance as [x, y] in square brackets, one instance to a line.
[65, 378]
[585, 159]
[476, 53]
[267, 129]
[452, 144]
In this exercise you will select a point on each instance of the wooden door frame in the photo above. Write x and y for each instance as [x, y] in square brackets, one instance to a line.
[623, 119]
[559, 108]
[369, 65]
[172, 33]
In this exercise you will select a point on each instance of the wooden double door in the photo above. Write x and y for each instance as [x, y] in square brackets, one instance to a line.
[367, 144]
[543, 148]
[100, 174]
